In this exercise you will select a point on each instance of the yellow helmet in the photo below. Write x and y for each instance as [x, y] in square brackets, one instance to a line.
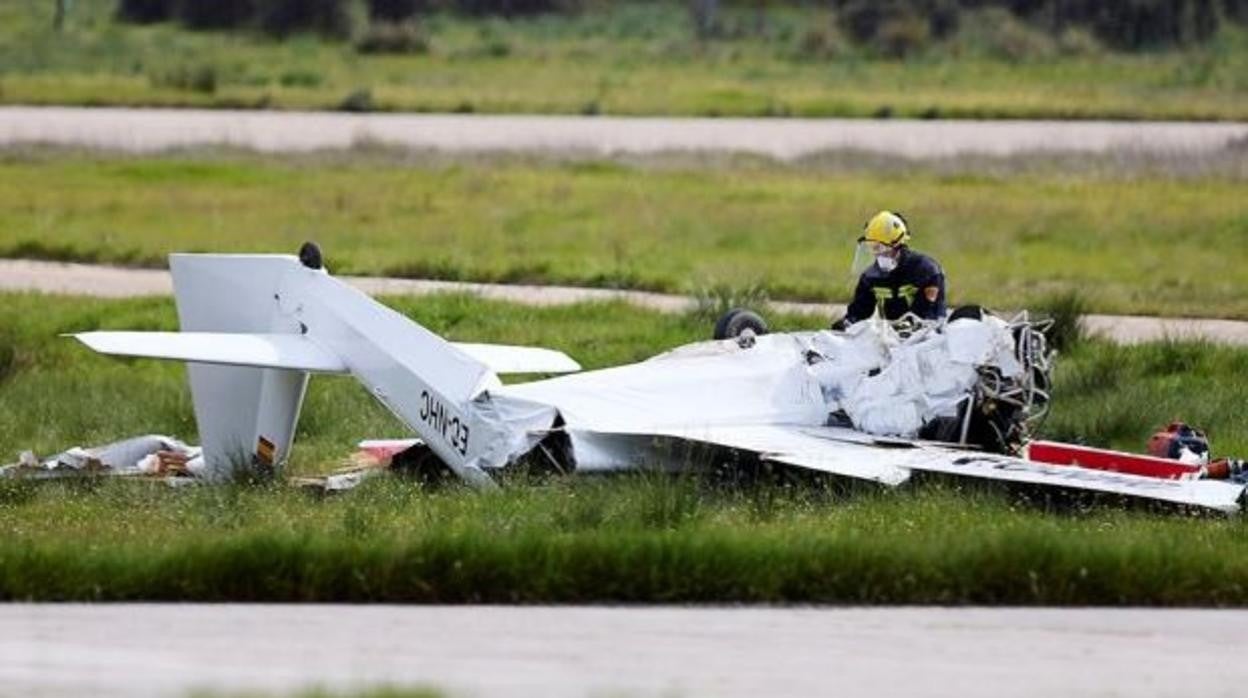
[886, 228]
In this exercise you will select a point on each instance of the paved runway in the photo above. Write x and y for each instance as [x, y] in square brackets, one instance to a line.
[171, 649]
[144, 130]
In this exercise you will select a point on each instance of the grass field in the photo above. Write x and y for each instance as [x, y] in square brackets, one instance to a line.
[645, 539]
[1146, 237]
[630, 540]
[626, 59]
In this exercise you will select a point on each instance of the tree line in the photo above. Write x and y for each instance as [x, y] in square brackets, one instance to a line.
[1121, 24]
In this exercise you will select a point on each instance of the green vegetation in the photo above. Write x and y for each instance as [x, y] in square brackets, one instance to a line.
[626, 58]
[583, 541]
[1139, 241]
[644, 538]
[1114, 396]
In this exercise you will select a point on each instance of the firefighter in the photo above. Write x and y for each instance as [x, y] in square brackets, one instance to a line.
[894, 279]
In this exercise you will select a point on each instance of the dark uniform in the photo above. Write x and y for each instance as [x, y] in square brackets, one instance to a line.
[916, 286]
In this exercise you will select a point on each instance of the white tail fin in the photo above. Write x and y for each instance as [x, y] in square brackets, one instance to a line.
[254, 326]
[246, 415]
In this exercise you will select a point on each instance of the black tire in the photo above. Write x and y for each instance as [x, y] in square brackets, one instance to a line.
[972, 312]
[310, 255]
[732, 323]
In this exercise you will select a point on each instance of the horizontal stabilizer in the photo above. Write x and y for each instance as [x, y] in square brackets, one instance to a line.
[502, 358]
[289, 351]
[292, 351]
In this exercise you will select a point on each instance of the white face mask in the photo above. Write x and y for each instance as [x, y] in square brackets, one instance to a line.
[886, 263]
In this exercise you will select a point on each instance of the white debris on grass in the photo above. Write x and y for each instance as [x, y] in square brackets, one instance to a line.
[151, 455]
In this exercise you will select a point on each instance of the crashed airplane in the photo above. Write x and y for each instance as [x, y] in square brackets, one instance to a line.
[874, 403]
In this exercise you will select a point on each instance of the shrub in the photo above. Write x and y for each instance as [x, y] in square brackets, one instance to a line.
[396, 10]
[216, 14]
[513, 8]
[944, 17]
[1136, 24]
[902, 35]
[1235, 10]
[1078, 42]
[898, 27]
[192, 78]
[713, 300]
[821, 41]
[8, 356]
[495, 47]
[1127, 24]
[281, 18]
[146, 11]
[705, 15]
[1067, 311]
[275, 17]
[299, 78]
[358, 101]
[1123, 24]
[1010, 38]
[393, 37]
[861, 19]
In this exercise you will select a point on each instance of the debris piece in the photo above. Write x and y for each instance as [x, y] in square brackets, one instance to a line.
[151, 455]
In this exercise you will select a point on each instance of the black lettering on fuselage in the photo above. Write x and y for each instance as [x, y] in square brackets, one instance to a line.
[445, 422]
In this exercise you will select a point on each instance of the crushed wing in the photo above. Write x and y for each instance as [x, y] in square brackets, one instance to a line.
[889, 461]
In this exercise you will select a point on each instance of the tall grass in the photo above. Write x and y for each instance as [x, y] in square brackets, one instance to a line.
[604, 541]
[1107, 395]
[1065, 312]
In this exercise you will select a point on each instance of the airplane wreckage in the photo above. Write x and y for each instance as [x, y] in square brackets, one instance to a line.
[876, 402]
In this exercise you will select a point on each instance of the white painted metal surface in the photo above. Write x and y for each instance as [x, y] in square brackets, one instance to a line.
[297, 352]
[503, 358]
[232, 349]
[246, 415]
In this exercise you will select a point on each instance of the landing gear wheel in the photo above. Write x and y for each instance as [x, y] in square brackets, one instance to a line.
[968, 312]
[732, 323]
[310, 255]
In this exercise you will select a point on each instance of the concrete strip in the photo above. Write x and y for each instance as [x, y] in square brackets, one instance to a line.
[116, 282]
[149, 130]
[226, 649]
[83, 279]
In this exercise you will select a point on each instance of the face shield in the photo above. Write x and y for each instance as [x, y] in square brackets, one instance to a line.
[866, 253]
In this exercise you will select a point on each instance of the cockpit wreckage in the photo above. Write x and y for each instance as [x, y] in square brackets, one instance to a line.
[876, 402]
